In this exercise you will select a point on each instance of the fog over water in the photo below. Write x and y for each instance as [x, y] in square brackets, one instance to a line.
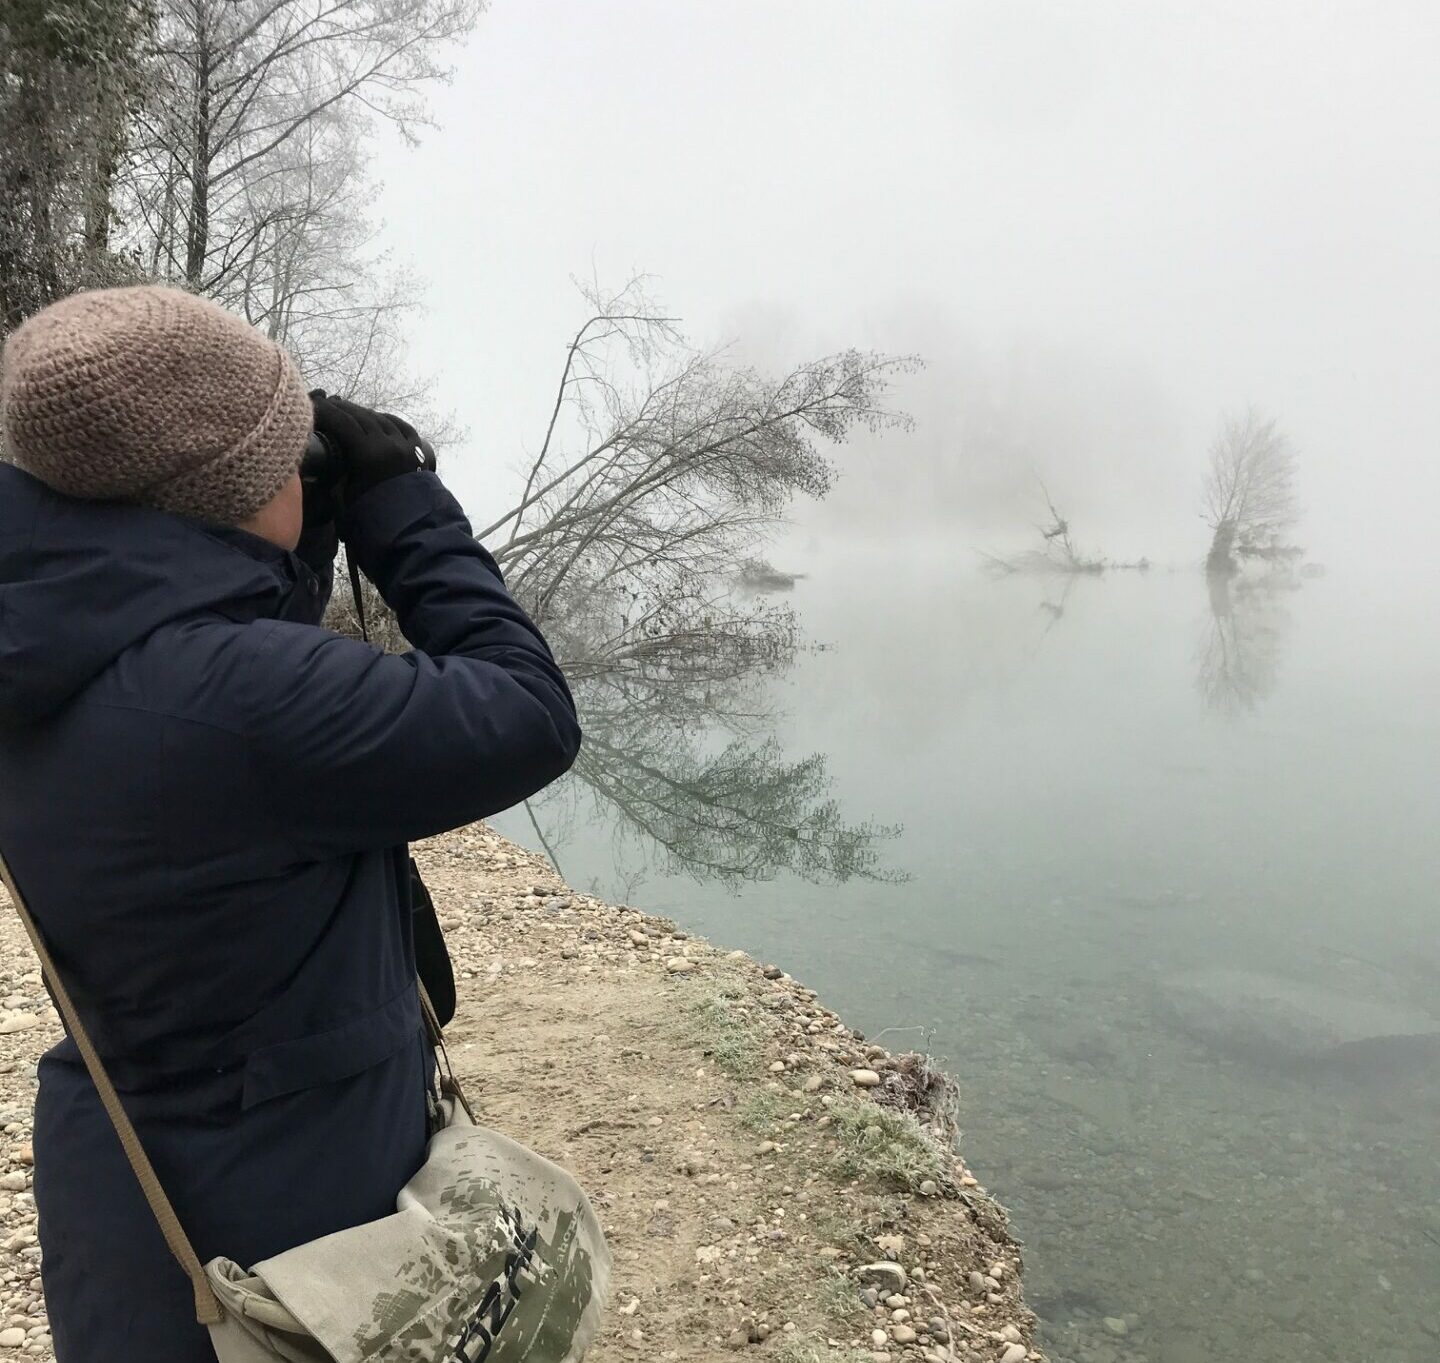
[1111, 219]
[1170, 872]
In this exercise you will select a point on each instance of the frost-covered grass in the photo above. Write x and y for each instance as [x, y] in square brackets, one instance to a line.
[808, 1349]
[731, 1038]
[885, 1145]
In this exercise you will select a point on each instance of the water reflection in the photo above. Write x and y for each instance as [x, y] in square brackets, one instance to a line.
[1239, 655]
[1166, 967]
[681, 761]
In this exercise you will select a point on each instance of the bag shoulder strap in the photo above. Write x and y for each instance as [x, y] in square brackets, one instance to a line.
[207, 1305]
[448, 1082]
[208, 1310]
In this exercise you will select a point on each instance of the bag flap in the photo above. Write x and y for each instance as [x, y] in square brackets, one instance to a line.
[495, 1254]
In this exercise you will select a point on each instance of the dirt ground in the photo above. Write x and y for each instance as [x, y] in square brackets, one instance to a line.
[770, 1184]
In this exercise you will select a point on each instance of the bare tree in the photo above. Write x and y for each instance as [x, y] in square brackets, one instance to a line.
[662, 468]
[243, 80]
[1249, 491]
[312, 277]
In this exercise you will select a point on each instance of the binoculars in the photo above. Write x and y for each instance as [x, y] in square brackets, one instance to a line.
[324, 465]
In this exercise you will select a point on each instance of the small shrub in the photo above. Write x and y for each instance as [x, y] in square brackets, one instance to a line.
[885, 1145]
[838, 1296]
[809, 1349]
[761, 1110]
[732, 1040]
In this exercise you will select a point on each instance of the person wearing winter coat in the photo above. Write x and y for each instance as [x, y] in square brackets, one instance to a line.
[206, 796]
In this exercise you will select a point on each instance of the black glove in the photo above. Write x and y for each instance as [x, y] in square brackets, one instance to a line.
[373, 447]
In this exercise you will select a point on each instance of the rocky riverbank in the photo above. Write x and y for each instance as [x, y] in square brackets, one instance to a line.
[771, 1184]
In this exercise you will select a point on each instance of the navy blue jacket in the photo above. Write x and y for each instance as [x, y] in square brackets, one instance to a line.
[206, 799]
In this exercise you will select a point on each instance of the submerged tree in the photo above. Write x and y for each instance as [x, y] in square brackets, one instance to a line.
[1057, 553]
[1250, 501]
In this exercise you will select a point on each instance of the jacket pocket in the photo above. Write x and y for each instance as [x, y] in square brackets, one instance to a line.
[327, 1057]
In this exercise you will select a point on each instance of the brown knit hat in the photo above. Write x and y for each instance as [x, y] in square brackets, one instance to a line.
[153, 396]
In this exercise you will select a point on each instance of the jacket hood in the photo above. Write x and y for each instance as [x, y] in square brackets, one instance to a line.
[81, 581]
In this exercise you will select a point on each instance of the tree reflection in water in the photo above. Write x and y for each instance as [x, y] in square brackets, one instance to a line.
[1239, 654]
[679, 749]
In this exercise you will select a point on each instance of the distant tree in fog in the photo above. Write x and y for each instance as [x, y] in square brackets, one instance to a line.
[1249, 492]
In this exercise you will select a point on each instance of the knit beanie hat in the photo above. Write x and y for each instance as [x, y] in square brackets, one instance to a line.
[153, 396]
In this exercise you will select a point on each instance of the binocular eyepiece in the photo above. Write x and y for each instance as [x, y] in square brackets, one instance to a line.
[322, 463]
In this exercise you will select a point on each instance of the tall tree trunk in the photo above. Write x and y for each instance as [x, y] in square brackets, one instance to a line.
[1221, 560]
[197, 242]
[109, 138]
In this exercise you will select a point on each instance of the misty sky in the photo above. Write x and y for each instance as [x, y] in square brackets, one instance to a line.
[1100, 223]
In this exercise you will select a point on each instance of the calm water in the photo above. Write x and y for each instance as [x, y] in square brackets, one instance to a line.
[1113, 798]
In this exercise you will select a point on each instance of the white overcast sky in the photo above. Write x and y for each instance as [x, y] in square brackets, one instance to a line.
[1127, 215]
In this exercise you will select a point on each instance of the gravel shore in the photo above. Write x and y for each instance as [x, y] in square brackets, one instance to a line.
[771, 1184]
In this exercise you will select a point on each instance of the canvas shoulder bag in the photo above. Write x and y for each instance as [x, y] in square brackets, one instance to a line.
[492, 1253]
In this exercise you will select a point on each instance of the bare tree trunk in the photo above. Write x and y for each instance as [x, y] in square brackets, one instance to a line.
[1220, 562]
[197, 243]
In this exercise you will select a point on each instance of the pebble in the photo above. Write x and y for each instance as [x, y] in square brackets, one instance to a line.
[813, 1084]
[902, 1334]
[14, 1182]
[17, 1022]
[12, 1338]
[1116, 1326]
[1014, 1353]
[678, 965]
[977, 1283]
[879, 1338]
[929, 1188]
[865, 1079]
